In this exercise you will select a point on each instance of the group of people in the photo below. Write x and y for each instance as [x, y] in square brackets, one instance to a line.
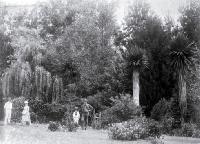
[85, 112]
[8, 112]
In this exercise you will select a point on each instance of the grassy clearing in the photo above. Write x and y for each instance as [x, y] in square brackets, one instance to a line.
[39, 134]
[34, 134]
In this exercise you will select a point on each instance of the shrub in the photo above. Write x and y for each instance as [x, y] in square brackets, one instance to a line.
[156, 141]
[176, 113]
[34, 117]
[186, 130]
[39, 111]
[122, 110]
[160, 110]
[55, 112]
[100, 101]
[46, 112]
[196, 133]
[68, 123]
[109, 117]
[71, 126]
[154, 128]
[53, 126]
[18, 106]
[97, 124]
[137, 128]
[166, 125]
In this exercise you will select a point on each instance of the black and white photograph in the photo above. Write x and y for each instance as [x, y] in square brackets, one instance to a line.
[99, 71]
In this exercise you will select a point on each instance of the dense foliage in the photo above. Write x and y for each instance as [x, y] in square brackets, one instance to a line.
[123, 109]
[137, 128]
[59, 52]
[53, 126]
[18, 106]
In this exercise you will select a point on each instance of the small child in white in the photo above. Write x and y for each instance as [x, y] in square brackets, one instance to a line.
[25, 114]
[76, 116]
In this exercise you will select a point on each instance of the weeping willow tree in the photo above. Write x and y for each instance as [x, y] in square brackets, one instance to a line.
[26, 76]
[16, 79]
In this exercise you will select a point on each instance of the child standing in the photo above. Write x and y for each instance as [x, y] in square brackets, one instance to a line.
[25, 114]
[76, 116]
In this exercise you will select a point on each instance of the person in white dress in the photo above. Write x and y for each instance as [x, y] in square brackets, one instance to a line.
[26, 114]
[76, 116]
[8, 111]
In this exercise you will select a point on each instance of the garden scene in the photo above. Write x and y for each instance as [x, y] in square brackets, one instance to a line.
[71, 74]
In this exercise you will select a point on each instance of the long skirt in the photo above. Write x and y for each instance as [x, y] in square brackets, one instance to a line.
[26, 118]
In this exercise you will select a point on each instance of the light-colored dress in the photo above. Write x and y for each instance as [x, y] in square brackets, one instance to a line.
[26, 115]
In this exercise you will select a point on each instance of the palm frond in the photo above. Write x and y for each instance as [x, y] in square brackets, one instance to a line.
[137, 58]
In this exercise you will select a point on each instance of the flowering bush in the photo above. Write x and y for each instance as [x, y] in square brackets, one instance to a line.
[137, 128]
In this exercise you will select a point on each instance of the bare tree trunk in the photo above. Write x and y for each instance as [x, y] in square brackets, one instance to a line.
[182, 95]
[136, 87]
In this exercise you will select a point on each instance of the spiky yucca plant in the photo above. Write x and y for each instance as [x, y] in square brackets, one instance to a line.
[182, 57]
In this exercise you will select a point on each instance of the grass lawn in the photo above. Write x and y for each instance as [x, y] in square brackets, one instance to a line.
[39, 134]
[16, 134]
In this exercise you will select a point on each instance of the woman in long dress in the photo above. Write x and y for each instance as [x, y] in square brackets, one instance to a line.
[26, 115]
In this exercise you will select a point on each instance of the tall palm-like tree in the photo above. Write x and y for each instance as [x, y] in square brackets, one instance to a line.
[182, 57]
[137, 61]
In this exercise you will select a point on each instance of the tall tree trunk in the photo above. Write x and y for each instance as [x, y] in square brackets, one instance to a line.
[136, 87]
[182, 95]
[1, 102]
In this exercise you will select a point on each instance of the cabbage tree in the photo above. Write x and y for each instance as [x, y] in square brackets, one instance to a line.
[182, 57]
[137, 61]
